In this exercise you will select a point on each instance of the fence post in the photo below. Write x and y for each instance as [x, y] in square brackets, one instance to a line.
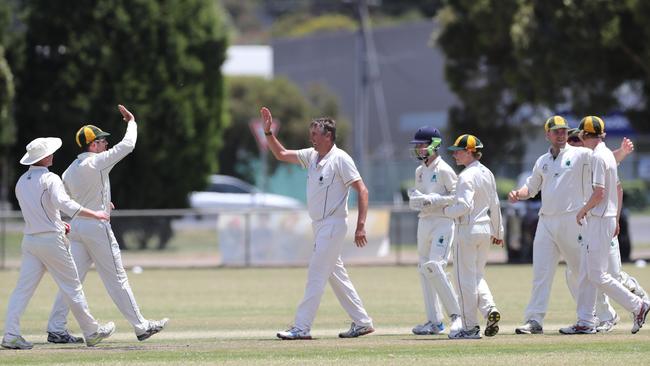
[247, 239]
[398, 234]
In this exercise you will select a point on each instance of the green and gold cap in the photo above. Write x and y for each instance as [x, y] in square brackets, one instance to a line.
[592, 124]
[466, 142]
[88, 134]
[554, 123]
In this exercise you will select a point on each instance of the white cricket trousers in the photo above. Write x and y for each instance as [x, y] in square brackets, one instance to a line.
[48, 252]
[435, 238]
[325, 264]
[599, 232]
[470, 256]
[557, 237]
[93, 242]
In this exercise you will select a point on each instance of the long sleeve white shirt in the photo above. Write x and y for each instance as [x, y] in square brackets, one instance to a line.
[41, 197]
[437, 178]
[86, 179]
[477, 202]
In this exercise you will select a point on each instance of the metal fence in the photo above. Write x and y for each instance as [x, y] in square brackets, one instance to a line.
[192, 238]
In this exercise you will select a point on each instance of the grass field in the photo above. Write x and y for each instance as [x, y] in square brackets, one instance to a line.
[230, 316]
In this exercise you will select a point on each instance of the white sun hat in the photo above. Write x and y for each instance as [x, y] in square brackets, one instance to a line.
[40, 148]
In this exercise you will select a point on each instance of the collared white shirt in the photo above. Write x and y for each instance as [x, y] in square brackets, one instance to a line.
[477, 202]
[86, 179]
[438, 178]
[605, 175]
[564, 180]
[41, 197]
[328, 182]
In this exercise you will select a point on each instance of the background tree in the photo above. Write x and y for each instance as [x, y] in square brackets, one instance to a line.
[289, 106]
[513, 63]
[160, 58]
[7, 92]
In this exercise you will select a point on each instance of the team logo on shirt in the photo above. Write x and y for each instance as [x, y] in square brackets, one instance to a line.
[419, 177]
[441, 241]
[434, 178]
[545, 168]
[567, 163]
[580, 240]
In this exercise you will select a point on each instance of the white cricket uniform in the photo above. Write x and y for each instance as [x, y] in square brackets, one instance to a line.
[478, 218]
[600, 227]
[328, 182]
[41, 197]
[435, 236]
[564, 182]
[87, 181]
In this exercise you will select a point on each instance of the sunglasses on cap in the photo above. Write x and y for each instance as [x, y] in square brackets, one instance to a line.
[573, 139]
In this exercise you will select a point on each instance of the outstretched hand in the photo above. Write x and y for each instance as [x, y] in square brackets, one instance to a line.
[627, 146]
[126, 115]
[267, 119]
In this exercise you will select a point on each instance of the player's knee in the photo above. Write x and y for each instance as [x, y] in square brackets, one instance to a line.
[433, 269]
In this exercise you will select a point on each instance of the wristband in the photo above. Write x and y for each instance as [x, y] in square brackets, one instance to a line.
[268, 133]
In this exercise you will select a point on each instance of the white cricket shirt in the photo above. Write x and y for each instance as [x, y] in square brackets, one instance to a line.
[564, 180]
[86, 179]
[477, 202]
[41, 197]
[605, 174]
[328, 182]
[438, 178]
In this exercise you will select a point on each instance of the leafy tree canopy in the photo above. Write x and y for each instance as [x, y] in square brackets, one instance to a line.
[160, 58]
[515, 62]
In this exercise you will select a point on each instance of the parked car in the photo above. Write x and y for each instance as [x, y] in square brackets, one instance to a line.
[226, 192]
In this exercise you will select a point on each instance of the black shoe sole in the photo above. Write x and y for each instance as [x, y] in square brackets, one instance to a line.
[492, 327]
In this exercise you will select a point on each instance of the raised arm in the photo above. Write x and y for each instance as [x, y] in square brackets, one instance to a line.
[627, 147]
[280, 153]
[118, 152]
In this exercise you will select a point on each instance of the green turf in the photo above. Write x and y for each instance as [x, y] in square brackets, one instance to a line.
[230, 316]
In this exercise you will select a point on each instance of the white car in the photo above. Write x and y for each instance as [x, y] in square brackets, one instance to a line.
[230, 193]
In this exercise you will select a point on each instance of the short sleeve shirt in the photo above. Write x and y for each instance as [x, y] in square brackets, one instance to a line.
[605, 175]
[562, 180]
[328, 182]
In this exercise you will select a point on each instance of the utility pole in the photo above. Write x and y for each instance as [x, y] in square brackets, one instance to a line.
[369, 77]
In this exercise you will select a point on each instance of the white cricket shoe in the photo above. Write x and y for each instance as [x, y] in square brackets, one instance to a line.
[607, 326]
[428, 328]
[16, 342]
[640, 316]
[357, 331]
[102, 333]
[578, 329]
[455, 325]
[155, 326]
[474, 333]
[531, 327]
[294, 333]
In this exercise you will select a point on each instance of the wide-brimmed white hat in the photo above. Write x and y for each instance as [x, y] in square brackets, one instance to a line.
[39, 149]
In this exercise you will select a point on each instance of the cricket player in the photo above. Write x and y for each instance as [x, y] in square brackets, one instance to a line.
[614, 266]
[561, 175]
[330, 173]
[435, 235]
[600, 216]
[87, 181]
[41, 197]
[477, 213]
